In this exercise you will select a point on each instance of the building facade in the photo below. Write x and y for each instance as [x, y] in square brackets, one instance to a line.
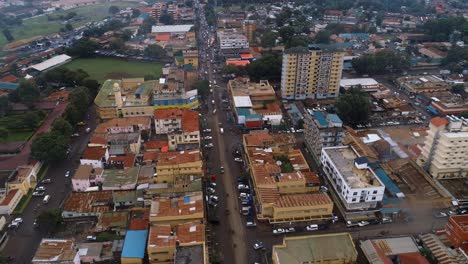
[354, 182]
[311, 73]
[445, 151]
[322, 130]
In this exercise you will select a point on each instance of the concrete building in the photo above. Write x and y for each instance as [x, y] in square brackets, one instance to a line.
[457, 231]
[124, 125]
[354, 182]
[157, 10]
[124, 98]
[179, 168]
[260, 93]
[367, 84]
[325, 249]
[422, 84]
[322, 129]
[164, 241]
[232, 42]
[333, 16]
[190, 57]
[445, 151]
[24, 178]
[134, 247]
[95, 156]
[382, 251]
[311, 73]
[10, 201]
[177, 210]
[249, 27]
[120, 179]
[181, 127]
[85, 177]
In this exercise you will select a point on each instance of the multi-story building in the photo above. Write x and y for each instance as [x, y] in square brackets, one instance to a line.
[190, 57]
[322, 129]
[181, 127]
[354, 182]
[260, 93]
[158, 9]
[124, 98]
[286, 192]
[165, 241]
[177, 210]
[422, 84]
[170, 93]
[179, 168]
[457, 230]
[124, 125]
[249, 27]
[232, 42]
[333, 16]
[311, 73]
[445, 151]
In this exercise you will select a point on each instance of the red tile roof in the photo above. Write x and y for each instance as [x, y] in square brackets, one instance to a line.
[167, 113]
[190, 121]
[128, 160]
[9, 78]
[237, 62]
[138, 224]
[246, 56]
[412, 258]
[94, 153]
[334, 12]
[156, 144]
[163, 37]
[9, 197]
[98, 140]
[439, 121]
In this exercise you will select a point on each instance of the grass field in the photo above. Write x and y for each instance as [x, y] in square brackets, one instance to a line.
[14, 135]
[41, 26]
[102, 69]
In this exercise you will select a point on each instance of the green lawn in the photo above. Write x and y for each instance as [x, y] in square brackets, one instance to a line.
[14, 135]
[41, 26]
[102, 69]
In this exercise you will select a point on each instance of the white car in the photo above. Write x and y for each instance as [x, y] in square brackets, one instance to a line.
[258, 245]
[238, 160]
[207, 130]
[363, 223]
[278, 231]
[210, 145]
[208, 137]
[214, 198]
[40, 189]
[18, 220]
[242, 187]
[210, 190]
[290, 230]
[312, 227]
[67, 174]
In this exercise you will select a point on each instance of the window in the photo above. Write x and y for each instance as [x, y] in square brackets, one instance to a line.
[354, 193]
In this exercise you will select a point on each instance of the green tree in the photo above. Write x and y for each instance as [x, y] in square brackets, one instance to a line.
[50, 220]
[266, 68]
[4, 105]
[135, 13]
[62, 126]
[353, 107]
[49, 147]
[68, 27]
[298, 41]
[31, 120]
[146, 26]
[28, 93]
[3, 132]
[464, 114]
[149, 77]
[83, 48]
[268, 39]
[323, 37]
[72, 115]
[203, 88]
[379, 63]
[93, 87]
[114, 10]
[9, 37]
[286, 33]
[155, 52]
[166, 19]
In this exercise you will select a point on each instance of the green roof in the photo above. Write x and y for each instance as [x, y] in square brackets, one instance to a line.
[105, 97]
[315, 248]
[124, 196]
[179, 58]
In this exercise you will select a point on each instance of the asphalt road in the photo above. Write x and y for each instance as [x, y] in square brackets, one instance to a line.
[23, 242]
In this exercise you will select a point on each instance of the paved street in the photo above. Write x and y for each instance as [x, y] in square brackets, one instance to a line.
[23, 242]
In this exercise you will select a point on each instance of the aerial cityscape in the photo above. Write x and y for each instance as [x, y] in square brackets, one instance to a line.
[234, 132]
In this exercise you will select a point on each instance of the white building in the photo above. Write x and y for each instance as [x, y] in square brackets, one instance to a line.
[232, 40]
[355, 183]
[51, 63]
[445, 151]
[95, 156]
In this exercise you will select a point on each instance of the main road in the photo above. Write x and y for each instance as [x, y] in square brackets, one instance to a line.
[23, 242]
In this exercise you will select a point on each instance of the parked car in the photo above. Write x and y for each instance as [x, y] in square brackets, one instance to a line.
[278, 231]
[243, 187]
[214, 198]
[312, 227]
[212, 184]
[40, 189]
[67, 174]
[386, 220]
[290, 230]
[374, 221]
[440, 215]
[238, 160]
[258, 245]
[210, 190]
[46, 180]
[250, 223]
[37, 194]
[91, 238]
[207, 130]
[209, 145]
[208, 137]
[363, 223]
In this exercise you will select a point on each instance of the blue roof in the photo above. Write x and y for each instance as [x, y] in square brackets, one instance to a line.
[320, 118]
[144, 16]
[363, 36]
[135, 244]
[187, 199]
[361, 160]
[389, 184]
[9, 86]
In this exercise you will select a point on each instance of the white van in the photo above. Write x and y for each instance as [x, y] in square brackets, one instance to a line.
[46, 199]
[312, 227]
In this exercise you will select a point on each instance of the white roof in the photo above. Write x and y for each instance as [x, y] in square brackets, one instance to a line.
[358, 81]
[54, 61]
[171, 29]
[242, 101]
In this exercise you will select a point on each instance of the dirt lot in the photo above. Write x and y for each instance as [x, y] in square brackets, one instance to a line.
[457, 187]
[405, 135]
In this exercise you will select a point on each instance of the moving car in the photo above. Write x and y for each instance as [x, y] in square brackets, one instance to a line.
[258, 245]
[67, 174]
[238, 160]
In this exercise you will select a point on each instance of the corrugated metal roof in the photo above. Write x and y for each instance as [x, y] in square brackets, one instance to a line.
[389, 184]
[135, 244]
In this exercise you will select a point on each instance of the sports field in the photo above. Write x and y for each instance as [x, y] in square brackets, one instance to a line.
[102, 69]
[41, 26]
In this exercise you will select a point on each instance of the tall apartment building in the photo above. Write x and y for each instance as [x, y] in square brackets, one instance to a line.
[311, 73]
[445, 151]
[158, 9]
[322, 129]
[249, 27]
[354, 182]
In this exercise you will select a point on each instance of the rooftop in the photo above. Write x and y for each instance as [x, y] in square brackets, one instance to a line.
[189, 118]
[55, 251]
[111, 220]
[123, 122]
[171, 28]
[88, 202]
[307, 199]
[461, 221]
[114, 178]
[174, 158]
[11, 194]
[189, 254]
[135, 92]
[179, 206]
[94, 153]
[156, 144]
[54, 61]
[85, 172]
[378, 251]
[315, 248]
[358, 81]
[127, 161]
[324, 119]
[135, 244]
[344, 159]
[165, 236]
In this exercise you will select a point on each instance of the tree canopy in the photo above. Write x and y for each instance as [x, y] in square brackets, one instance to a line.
[440, 29]
[203, 88]
[50, 220]
[166, 19]
[83, 48]
[155, 52]
[114, 10]
[49, 147]
[62, 126]
[353, 107]
[380, 62]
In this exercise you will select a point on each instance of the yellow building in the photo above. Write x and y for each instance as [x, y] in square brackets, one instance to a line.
[24, 178]
[311, 73]
[335, 248]
[249, 28]
[125, 98]
[177, 210]
[166, 243]
[133, 251]
[286, 190]
[179, 168]
[190, 57]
